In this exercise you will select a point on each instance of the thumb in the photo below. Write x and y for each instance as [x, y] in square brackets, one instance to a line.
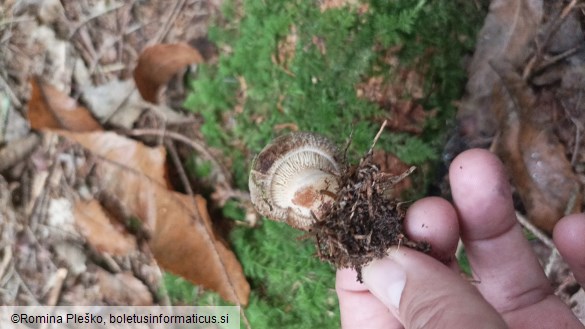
[424, 293]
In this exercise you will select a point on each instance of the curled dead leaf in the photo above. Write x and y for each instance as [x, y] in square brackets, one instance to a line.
[533, 155]
[159, 63]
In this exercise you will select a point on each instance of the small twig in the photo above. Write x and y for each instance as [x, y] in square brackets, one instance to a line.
[119, 107]
[94, 16]
[17, 150]
[57, 285]
[198, 147]
[57, 282]
[347, 145]
[37, 243]
[535, 231]
[555, 59]
[578, 127]
[245, 318]
[378, 136]
[38, 201]
[163, 295]
[179, 166]
[4, 115]
[552, 262]
[6, 258]
[104, 48]
[123, 28]
[536, 59]
[568, 9]
[25, 287]
[13, 98]
[16, 20]
[164, 30]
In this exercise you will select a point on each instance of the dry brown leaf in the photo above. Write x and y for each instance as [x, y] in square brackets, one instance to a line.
[136, 156]
[181, 235]
[513, 93]
[102, 231]
[120, 104]
[320, 44]
[399, 99]
[536, 160]
[507, 34]
[159, 63]
[286, 49]
[51, 108]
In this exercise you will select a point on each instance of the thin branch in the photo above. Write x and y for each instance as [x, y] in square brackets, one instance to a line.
[536, 59]
[552, 263]
[57, 282]
[25, 287]
[94, 16]
[6, 258]
[378, 136]
[13, 98]
[179, 166]
[535, 231]
[165, 28]
[198, 147]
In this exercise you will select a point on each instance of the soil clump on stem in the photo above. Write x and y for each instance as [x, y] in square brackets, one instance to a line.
[365, 220]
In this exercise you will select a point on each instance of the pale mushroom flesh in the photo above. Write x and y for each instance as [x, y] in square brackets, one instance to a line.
[294, 177]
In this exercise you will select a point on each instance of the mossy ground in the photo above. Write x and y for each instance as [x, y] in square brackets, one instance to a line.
[250, 93]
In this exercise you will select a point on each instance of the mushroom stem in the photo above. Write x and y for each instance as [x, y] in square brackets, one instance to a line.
[308, 191]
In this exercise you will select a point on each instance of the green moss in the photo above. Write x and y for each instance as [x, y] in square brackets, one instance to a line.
[316, 90]
[290, 287]
[180, 291]
[464, 263]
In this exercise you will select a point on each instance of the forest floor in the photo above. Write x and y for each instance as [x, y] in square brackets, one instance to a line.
[104, 103]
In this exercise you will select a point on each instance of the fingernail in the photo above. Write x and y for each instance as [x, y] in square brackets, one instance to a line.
[386, 280]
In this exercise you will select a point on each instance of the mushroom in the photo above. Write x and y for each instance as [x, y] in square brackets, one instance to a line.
[294, 178]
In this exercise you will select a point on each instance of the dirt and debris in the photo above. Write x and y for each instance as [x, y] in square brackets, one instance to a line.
[402, 101]
[366, 218]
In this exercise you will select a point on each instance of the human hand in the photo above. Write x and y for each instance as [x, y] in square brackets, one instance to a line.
[413, 290]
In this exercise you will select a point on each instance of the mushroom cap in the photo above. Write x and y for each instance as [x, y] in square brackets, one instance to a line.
[291, 177]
